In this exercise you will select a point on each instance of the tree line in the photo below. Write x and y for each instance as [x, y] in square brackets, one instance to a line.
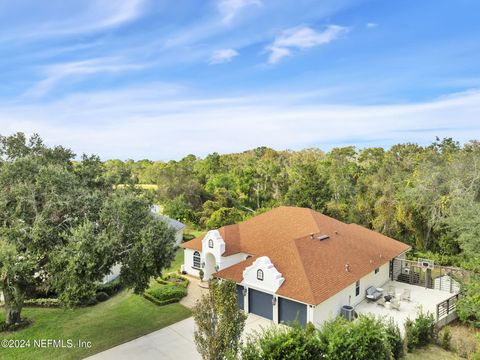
[425, 196]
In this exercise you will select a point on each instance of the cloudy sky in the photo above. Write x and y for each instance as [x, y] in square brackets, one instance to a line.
[162, 79]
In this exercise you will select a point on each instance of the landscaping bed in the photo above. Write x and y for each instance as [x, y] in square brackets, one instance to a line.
[169, 289]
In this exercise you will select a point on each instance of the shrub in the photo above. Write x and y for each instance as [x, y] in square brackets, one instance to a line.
[173, 279]
[394, 338]
[365, 338]
[419, 332]
[283, 343]
[42, 302]
[468, 305]
[165, 294]
[111, 288]
[187, 237]
[101, 296]
[445, 338]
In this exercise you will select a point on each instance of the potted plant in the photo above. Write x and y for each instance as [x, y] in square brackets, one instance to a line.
[201, 274]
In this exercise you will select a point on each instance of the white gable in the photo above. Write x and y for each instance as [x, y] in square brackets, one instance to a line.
[272, 279]
[213, 243]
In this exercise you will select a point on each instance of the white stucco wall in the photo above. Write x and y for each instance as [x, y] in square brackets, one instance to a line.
[330, 308]
[188, 262]
[179, 237]
[114, 273]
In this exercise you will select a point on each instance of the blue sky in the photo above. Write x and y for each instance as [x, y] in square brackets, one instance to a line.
[162, 79]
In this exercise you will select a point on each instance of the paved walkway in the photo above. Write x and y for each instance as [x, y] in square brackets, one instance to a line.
[195, 291]
[173, 342]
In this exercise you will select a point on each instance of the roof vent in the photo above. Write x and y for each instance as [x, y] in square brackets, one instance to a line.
[311, 235]
[323, 237]
[347, 267]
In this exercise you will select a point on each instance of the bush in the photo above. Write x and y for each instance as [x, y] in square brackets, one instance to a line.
[165, 294]
[419, 332]
[111, 288]
[101, 296]
[445, 338]
[42, 302]
[188, 237]
[365, 338]
[173, 279]
[468, 305]
[283, 343]
[394, 338]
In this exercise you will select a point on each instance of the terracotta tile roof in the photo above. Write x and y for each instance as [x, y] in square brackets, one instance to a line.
[314, 270]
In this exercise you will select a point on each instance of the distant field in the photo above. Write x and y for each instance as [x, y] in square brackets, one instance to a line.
[141, 186]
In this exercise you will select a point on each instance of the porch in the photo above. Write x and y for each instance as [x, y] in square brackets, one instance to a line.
[437, 302]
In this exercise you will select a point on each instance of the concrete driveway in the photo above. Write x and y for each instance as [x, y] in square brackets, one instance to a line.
[172, 342]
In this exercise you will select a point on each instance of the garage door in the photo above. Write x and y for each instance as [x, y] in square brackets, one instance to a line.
[289, 311]
[260, 303]
[240, 296]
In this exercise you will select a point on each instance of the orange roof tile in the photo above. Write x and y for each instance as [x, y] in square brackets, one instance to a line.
[314, 270]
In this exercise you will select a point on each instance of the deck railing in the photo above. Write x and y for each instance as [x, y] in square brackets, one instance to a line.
[447, 306]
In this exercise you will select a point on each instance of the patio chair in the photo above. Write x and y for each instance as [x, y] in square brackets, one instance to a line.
[406, 295]
[372, 293]
[381, 301]
[395, 304]
[391, 290]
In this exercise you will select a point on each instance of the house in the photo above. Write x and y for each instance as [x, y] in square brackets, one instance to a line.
[175, 224]
[294, 263]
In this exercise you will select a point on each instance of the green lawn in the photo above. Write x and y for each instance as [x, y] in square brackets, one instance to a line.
[432, 352]
[124, 317]
[176, 263]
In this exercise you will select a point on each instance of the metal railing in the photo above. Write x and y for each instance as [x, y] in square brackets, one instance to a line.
[442, 278]
[447, 306]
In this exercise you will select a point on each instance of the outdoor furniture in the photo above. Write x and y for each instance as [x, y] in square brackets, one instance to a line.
[395, 304]
[373, 294]
[391, 290]
[388, 305]
[406, 295]
[381, 301]
[388, 297]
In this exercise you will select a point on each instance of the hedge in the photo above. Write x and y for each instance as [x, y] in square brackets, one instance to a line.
[165, 294]
[173, 279]
[42, 302]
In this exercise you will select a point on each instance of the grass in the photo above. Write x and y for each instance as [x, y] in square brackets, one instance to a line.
[124, 317]
[432, 352]
[176, 263]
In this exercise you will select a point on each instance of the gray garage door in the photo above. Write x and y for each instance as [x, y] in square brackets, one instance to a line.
[289, 311]
[240, 296]
[260, 303]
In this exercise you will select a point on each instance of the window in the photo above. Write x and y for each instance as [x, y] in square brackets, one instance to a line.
[377, 270]
[260, 275]
[210, 243]
[357, 288]
[196, 260]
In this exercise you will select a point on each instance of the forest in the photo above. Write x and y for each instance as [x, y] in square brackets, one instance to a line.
[426, 196]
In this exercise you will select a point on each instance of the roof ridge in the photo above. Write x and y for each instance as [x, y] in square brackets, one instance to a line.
[302, 266]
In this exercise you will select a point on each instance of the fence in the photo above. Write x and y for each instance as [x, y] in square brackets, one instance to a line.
[447, 307]
[442, 278]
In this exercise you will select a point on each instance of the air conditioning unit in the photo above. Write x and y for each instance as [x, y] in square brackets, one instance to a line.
[406, 271]
[347, 312]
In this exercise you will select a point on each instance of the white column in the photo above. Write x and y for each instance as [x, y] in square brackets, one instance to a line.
[275, 310]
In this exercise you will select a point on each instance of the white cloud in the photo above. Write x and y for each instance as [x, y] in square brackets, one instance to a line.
[46, 20]
[222, 56]
[302, 37]
[162, 122]
[54, 74]
[230, 8]
[371, 25]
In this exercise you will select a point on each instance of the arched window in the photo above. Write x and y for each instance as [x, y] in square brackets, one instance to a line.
[260, 274]
[196, 260]
[210, 243]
